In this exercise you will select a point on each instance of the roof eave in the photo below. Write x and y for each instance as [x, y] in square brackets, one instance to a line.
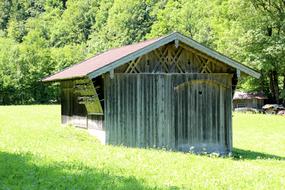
[46, 80]
[184, 39]
[132, 56]
[157, 44]
[218, 56]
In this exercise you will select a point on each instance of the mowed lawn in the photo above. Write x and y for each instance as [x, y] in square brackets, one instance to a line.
[36, 152]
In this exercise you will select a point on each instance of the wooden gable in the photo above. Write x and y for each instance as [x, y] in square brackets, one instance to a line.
[172, 58]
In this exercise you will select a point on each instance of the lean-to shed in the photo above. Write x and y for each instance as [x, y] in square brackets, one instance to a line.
[169, 92]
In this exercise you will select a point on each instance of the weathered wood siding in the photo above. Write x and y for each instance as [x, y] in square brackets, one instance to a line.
[75, 113]
[71, 112]
[173, 97]
[203, 108]
[188, 112]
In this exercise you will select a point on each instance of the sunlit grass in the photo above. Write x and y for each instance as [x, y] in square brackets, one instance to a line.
[37, 153]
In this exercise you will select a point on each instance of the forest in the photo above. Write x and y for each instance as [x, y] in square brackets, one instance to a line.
[40, 37]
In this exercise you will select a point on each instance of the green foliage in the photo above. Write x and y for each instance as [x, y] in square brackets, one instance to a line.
[191, 18]
[37, 153]
[48, 35]
[127, 22]
[9, 70]
[75, 24]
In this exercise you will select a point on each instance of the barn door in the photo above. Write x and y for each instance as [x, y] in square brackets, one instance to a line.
[199, 115]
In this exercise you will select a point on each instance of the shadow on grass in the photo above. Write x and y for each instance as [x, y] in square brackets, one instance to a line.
[25, 171]
[240, 154]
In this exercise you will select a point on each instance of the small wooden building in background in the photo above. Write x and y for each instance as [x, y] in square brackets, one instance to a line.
[170, 92]
[248, 100]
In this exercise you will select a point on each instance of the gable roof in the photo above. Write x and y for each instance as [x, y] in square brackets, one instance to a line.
[113, 58]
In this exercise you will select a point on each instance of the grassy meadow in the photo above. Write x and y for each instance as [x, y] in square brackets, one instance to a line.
[36, 152]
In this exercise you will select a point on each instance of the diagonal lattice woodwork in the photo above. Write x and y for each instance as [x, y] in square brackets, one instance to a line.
[173, 59]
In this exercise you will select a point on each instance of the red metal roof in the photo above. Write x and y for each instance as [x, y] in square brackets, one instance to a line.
[113, 58]
[98, 61]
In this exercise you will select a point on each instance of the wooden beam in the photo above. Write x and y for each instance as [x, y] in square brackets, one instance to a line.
[195, 52]
[238, 73]
[176, 58]
[160, 55]
[112, 74]
[205, 67]
[132, 66]
[136, 62]
[176, 43]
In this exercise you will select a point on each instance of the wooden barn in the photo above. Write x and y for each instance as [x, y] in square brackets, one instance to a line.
[170, 92]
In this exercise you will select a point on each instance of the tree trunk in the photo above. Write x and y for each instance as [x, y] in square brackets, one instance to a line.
[274, 89]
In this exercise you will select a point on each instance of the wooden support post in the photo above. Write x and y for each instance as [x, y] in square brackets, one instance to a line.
[176, 43]
[111, 74]
[238, 73]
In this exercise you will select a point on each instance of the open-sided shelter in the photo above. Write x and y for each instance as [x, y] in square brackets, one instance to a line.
[169, 92]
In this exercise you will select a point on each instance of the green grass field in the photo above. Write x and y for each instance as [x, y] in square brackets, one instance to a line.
[37, 153]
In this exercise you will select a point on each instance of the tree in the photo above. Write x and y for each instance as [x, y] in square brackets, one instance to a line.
[75, 24]
[128, 21]
[190, 17]
[272, 36]
[40, 37]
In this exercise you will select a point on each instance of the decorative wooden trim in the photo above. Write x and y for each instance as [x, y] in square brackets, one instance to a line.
[197, 53]
[172, 37]
[176, 60]
[133, 56]
[216, 55]
[132, 66]
[205, 68]
[161, 56]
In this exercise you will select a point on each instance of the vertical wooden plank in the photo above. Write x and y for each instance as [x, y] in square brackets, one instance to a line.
[148, 116]
[189, 113]
[209, 92]
[204, 110]
[184, 111]
[129, 113]
[160, 111]
[229, 117]
[200, 115]
[139, 119]
[222, 117]
[153, 112]
[113, 110]
[106, 110]
[145, 109]
[169, 113]
[192, 114]
[140, 113]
